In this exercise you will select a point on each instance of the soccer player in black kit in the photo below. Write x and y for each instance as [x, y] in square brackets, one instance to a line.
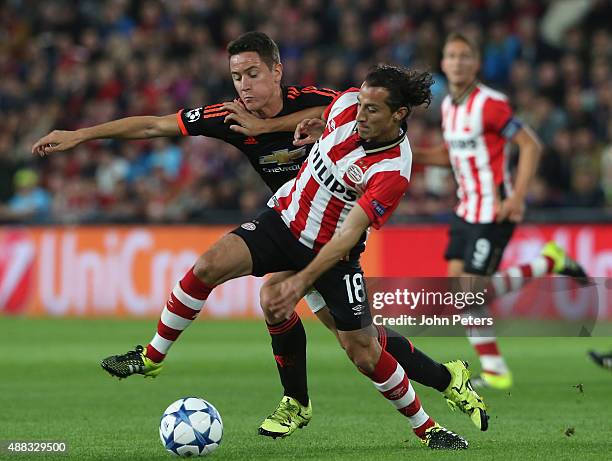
[261, 125]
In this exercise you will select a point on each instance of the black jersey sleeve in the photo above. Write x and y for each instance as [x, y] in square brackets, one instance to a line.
[309, 96]
[203, 121]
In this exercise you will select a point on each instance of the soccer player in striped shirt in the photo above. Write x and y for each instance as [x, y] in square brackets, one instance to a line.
[477, 124]
[354, 178]
[256, 71]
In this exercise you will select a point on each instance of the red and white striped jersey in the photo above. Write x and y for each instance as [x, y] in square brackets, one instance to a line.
[476, 132]
[340, 171]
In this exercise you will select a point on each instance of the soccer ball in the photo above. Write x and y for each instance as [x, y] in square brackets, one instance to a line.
[191, 427]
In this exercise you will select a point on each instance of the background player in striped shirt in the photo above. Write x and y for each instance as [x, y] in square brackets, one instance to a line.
[477, 124]
[271, 112]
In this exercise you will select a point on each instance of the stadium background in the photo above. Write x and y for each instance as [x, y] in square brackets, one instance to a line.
[67, 65]
[105, 230]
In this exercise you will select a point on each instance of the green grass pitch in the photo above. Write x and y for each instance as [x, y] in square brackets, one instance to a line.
[52, 388]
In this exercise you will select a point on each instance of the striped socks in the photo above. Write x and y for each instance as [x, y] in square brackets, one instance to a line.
[483, 338]
[392, 382]
[183, 306]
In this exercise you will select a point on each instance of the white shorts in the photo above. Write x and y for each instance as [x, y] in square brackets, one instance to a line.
[314, 300]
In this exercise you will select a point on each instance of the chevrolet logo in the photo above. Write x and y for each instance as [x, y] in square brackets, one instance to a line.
[283, 156]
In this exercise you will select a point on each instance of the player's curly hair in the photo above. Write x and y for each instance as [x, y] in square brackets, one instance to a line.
[407, 87]
[258, 42]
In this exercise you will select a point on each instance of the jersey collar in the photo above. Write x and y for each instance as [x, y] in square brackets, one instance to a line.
[376, 147]
[463, 96]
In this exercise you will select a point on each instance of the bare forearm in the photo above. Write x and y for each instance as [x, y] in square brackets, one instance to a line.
[530, 149]
[340, 244]
[290, 121]
[338, 247]
[141, 127]
[527, 165]
[125, 128]
[434, 156]
[345, 238]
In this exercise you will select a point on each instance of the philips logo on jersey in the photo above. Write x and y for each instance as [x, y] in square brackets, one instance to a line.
[328, 180]
[463, 144]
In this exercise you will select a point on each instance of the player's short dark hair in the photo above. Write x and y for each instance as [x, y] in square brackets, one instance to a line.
[407, 88]
[459, 37]
[258, 42]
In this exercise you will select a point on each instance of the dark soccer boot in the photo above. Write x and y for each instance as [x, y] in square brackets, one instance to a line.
[132, 362]
[440, 438]
[603, 360]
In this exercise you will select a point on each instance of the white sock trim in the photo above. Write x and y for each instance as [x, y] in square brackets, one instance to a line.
[176, 322]
[516, 278]
[394, 380]
[499, 284]
[161, 344]
[419, 418]
[406, 399]
[539, 267]
[478, 340]
[494, 363]
[187, 300]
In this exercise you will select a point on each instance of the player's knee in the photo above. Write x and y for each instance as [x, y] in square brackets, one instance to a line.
[265, 297]
[455, 268]
[207, 270]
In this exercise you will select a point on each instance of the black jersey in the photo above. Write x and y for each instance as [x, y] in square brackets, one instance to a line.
[273, 155]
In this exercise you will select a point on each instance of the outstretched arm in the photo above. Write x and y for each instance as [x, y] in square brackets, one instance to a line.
[244, 122]
[125, 128]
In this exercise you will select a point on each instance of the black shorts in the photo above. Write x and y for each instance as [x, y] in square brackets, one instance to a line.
[479, 246]
[274, 249]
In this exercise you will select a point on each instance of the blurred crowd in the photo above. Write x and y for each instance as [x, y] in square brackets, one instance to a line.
[69, 64]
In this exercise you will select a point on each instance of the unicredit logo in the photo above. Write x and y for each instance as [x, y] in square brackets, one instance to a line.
[17, 252]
